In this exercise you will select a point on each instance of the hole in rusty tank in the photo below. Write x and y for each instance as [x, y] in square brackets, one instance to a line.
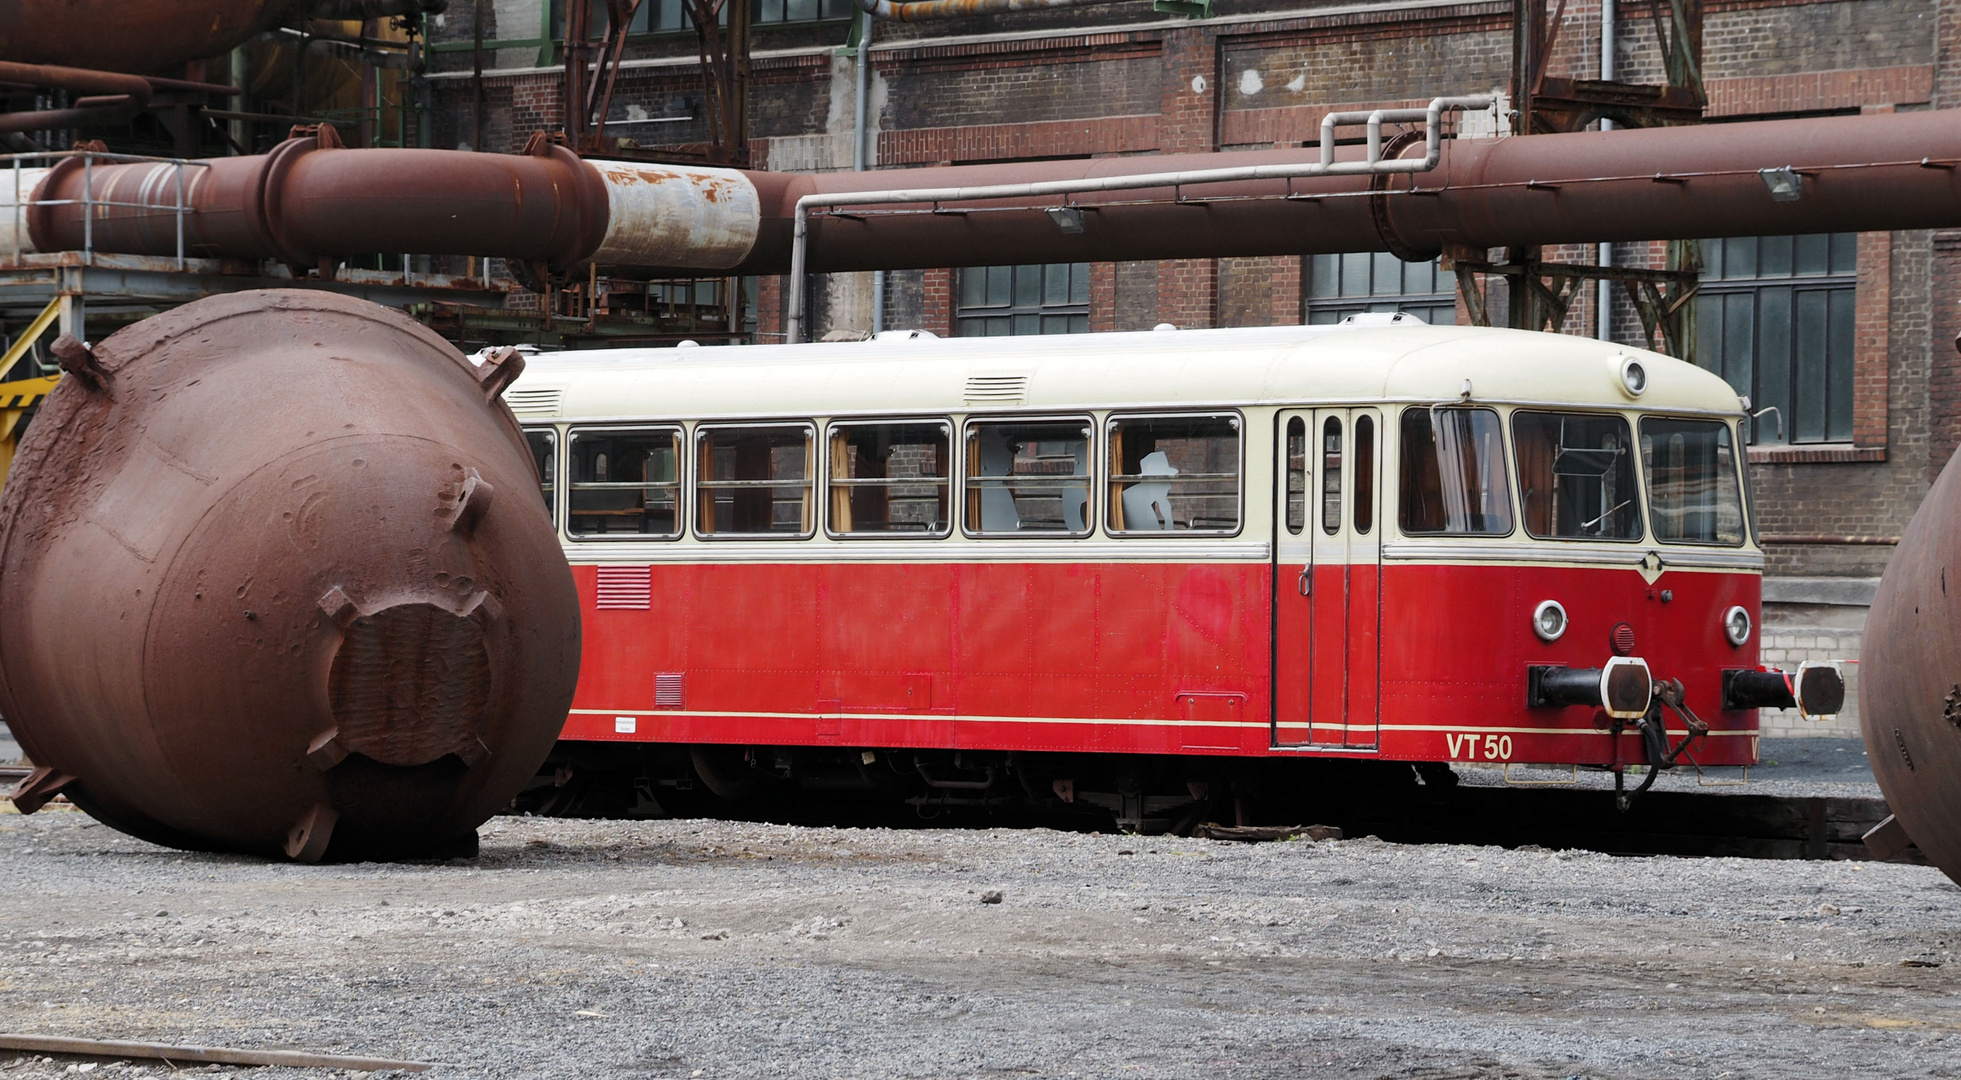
[409, 684]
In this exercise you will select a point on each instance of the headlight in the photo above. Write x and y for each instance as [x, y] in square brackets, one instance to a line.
[1634, 376]
[1736, 625]
[1549, 620]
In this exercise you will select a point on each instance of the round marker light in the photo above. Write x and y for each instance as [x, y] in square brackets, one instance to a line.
[1736, 625]
[1634, 377]
[1549, 620]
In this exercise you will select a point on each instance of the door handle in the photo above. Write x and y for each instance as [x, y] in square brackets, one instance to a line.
[1306, 582]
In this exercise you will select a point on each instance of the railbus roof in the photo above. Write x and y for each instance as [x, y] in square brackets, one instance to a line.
[898, 374]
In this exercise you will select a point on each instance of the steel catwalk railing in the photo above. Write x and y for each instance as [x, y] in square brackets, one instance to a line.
[1372, 165]
[89, 203]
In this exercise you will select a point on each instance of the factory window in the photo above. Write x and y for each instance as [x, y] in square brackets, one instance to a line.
[754, 480]
[890, 479]
[625, 483]
[1000, 301]
[664, 16]
[1028, 476]
[1342, 285]
[1774, 317]
[1174, 474]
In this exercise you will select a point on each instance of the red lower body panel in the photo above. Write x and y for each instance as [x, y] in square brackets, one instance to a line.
[1146, 658]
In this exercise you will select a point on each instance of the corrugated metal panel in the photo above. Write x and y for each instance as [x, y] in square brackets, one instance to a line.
[624, 588]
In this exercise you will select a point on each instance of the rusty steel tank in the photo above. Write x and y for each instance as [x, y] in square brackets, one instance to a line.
[275, 578]
[1910, 682]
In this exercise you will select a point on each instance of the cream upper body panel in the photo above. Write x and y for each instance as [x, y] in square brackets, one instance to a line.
[1174, 369]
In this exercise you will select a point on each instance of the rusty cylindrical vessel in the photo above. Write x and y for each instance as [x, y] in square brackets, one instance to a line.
[1910, 677]
[275, 578]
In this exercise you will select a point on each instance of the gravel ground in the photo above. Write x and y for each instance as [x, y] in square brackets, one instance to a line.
[718, 949]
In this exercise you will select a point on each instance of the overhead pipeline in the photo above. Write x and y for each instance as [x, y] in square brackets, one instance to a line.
[310, 199]
[157, 35]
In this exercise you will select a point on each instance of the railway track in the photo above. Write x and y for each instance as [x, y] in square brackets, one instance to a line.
[1689, 824]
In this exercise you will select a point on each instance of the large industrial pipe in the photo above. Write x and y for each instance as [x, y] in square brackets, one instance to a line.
[275, 578]
[112, 98]
[310, 199]
[115, 35]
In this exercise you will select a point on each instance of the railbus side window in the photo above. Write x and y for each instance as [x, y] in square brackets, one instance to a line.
[1576, 476]
[544, 454]
[625, 483]
[890, 479]
[1693, 495]
[1331, 476]
[1174, 474]
[1028, 476]
[753, 480]
[1296, 475]
[1364, 474]
[1453, 478]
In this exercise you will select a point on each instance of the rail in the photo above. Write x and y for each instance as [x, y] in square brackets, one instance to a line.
[1373, 164]
[88, 202]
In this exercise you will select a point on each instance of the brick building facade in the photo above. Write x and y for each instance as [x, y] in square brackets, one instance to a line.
[1123, 79]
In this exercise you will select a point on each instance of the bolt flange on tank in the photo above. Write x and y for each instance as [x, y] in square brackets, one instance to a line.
[275, 578]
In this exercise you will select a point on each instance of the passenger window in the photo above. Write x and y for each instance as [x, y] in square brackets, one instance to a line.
[753, 480]
[1364, 474]
[1028, 476]
[1174, 474]
[1576, 476]
[1453, 473]
[1692, 485]
[544, 455]
[625, 483]
[1296, 475]
[1331, 476]
[890, 479]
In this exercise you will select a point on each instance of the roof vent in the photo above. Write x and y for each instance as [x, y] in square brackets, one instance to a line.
[996, 390]
[537, 402]
[1383, 318]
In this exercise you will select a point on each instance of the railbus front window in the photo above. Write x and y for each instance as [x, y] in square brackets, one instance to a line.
[1453, 473]
[1296, 475]
[1693, 494]
[625, 483]
[754, 480]
[1576, 476]
[1174, 474]
[544, 455]
[890, 479]
[1028, 476]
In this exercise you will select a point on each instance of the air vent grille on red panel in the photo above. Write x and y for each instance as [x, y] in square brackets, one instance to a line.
[624, 588]
[667, 690]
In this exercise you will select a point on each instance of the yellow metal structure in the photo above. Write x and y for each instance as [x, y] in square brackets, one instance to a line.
[31, 335]
[17, 401]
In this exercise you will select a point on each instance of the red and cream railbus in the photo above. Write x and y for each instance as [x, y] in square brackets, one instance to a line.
[979, 569]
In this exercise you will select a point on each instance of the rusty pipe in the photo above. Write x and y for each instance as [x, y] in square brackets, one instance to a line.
[1860, 173]
[310, 199]
[116, 98]
[115, 35]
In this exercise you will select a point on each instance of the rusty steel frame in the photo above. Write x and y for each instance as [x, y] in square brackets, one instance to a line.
[1374, 164]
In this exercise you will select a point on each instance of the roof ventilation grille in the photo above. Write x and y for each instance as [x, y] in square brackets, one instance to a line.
[996, 390]
[539, 402]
